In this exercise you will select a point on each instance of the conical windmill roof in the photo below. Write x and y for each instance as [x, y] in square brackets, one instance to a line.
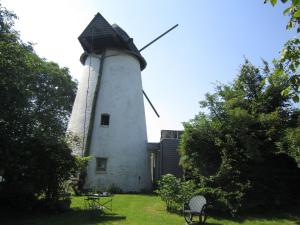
[99, 35]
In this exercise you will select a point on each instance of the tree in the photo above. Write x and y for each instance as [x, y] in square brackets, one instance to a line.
[288, 64]
[36, 98]
[293, 10]
[233, 153]
[291, 143]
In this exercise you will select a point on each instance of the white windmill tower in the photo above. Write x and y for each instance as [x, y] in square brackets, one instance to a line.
[108, 113]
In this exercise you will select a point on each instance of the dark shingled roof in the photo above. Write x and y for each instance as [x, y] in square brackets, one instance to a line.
[99, 35]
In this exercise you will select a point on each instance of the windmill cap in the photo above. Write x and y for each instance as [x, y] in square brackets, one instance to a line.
[100, 35]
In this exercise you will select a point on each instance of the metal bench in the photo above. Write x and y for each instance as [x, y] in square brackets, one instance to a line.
[195, 208]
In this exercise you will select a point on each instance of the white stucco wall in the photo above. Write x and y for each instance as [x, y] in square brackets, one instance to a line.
[83, 103]
[124, 141]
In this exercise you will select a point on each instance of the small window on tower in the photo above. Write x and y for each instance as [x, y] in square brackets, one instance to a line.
[104, 119]
[101, 164]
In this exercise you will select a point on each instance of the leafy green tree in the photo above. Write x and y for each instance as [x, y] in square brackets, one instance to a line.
[36, 98]
[232, 151]
[288, 63]
[291, 143]
[199, 138]
[293, 10]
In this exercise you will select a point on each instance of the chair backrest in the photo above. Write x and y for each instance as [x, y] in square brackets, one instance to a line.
[196, 203]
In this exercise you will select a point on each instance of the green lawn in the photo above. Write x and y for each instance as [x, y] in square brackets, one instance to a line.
[135, 210]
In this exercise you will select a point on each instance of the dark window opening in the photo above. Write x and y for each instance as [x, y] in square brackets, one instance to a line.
[101, 164]
[104, 119]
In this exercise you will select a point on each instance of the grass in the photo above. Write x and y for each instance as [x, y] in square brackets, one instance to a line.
[133, 210]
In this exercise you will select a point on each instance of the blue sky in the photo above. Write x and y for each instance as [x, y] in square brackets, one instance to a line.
[209, 45]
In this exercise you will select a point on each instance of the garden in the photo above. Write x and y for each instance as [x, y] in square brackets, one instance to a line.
[135, 210]
[241, 151]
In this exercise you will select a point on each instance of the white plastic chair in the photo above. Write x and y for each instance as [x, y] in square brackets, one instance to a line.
[195, 208]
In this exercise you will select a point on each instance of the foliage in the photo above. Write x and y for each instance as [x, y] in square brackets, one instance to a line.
[290, 143]
[174, 192]
[82, 162]
[288, 64]
[293, 11]
[233, 152]
[139, 209]
[208, 160]
[36, 99]
[168, 188]
[114, 189]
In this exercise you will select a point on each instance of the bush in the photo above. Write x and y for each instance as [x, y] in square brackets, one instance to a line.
[114, 189]
[174, 192]
[272, 184]
[39, 172]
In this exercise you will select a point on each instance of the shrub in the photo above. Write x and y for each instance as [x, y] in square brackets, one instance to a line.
[268, 185]
[39, 172]
[174, 192]
[114, 189]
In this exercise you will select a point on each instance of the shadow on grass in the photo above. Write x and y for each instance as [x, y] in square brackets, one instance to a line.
[209, 223]
[206, 223]
[261, 217]
[293, 215]
[74, 217]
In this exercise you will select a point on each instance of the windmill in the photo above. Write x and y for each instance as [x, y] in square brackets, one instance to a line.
[108, 113]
